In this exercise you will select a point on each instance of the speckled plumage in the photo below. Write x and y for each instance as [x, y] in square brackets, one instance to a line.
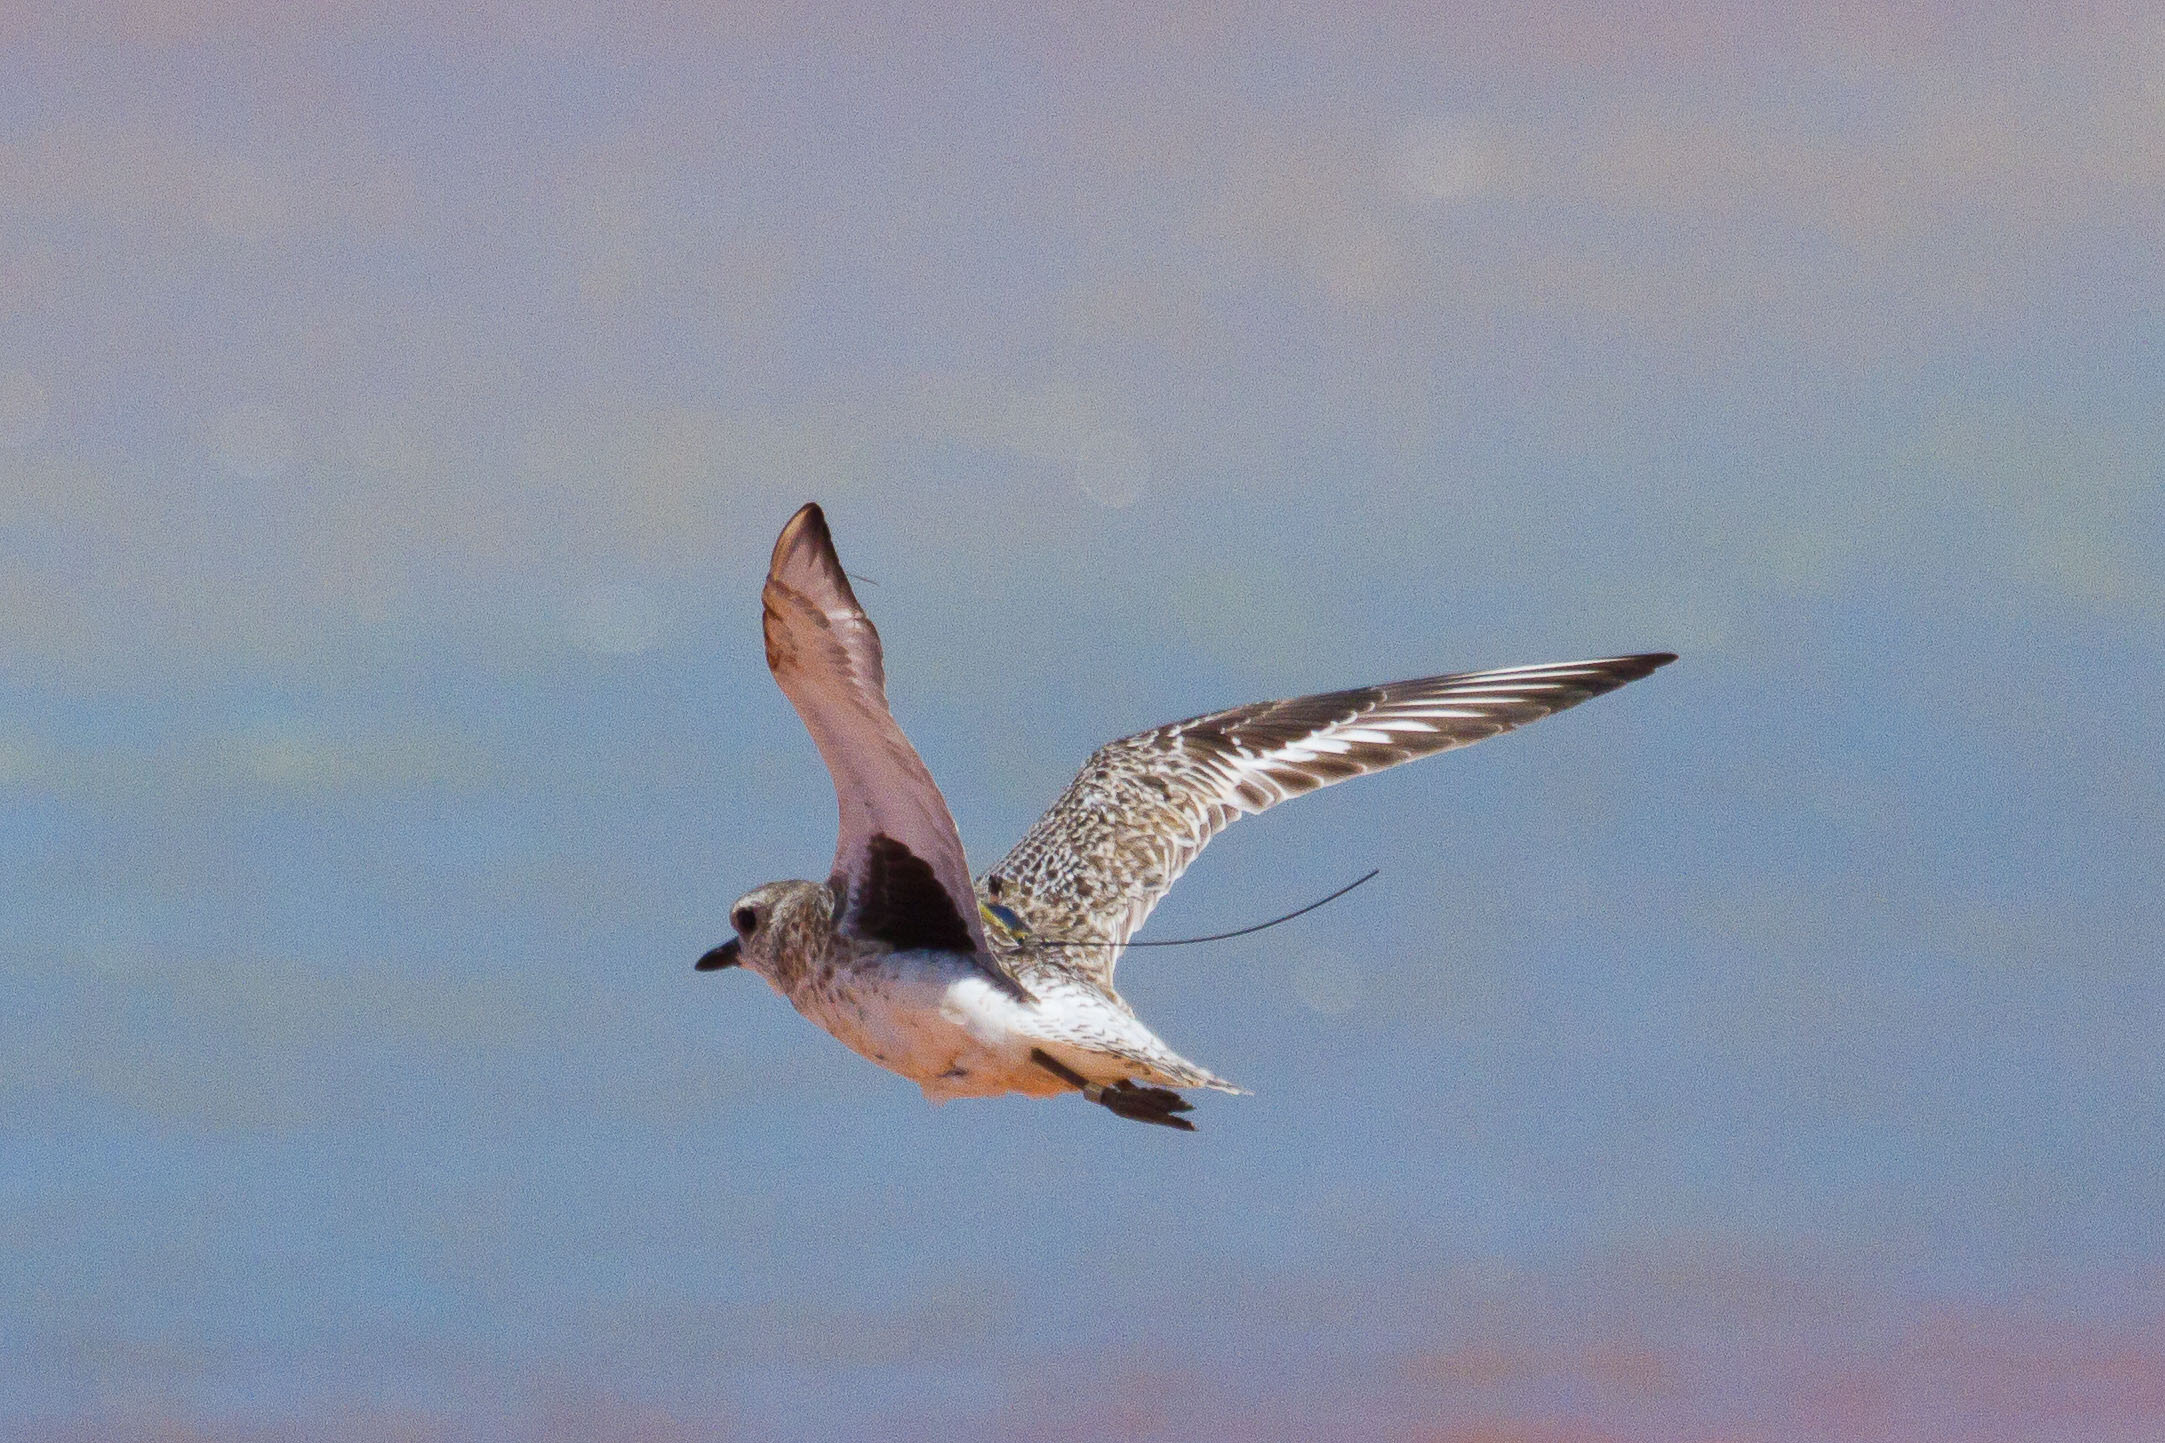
[974, 991]
[1142, 808]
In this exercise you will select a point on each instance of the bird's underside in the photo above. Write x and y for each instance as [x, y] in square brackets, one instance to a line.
[1022, 962]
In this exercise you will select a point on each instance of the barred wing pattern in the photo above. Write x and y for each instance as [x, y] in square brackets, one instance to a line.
[1092, 868]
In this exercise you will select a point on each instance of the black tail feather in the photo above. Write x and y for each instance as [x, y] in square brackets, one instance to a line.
[1146, 1104]
[1123, 1099]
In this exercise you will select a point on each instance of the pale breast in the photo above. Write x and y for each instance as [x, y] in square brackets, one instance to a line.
[931, 1017]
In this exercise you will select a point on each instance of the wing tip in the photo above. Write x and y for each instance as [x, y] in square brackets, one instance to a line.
[1644, 663]
[1616, 671]
[806, 562]
[806, 525]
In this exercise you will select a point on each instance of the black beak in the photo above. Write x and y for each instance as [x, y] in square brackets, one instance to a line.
[722, 956]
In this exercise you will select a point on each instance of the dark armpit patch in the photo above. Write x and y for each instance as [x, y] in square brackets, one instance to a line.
[899, 901]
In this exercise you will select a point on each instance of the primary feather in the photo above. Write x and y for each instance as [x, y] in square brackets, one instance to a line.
[1142, 808]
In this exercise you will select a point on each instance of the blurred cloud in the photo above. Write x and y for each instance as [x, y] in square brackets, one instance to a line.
[1113, 468]
[289, 757]
[237, 200]
[253, 442]
[1708, 1350]
[176, 193]
[1329, 983]
[572, 1416]
[407, 427]
[1049, 424]
[24, 406]
[620, 620]
[249, 1044]
[1440, 161]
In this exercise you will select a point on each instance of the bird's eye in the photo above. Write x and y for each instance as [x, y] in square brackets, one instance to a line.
[745, 920]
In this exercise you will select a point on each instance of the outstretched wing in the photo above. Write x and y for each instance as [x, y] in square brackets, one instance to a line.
[1093, 866]
[898, 868]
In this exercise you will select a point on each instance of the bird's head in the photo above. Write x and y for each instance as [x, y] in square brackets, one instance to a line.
[770, 922]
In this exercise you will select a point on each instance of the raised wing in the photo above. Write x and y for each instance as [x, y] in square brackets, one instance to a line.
[1093, 866]
[898, 868]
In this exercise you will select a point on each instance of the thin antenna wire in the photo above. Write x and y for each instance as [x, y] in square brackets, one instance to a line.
[1030, 941]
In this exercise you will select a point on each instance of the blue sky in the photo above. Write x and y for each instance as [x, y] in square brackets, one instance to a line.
[396, 409]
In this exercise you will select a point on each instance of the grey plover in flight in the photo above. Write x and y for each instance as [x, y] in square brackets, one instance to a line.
[1005, 984]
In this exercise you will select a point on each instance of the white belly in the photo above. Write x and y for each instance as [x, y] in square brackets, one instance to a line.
[937, 1020]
